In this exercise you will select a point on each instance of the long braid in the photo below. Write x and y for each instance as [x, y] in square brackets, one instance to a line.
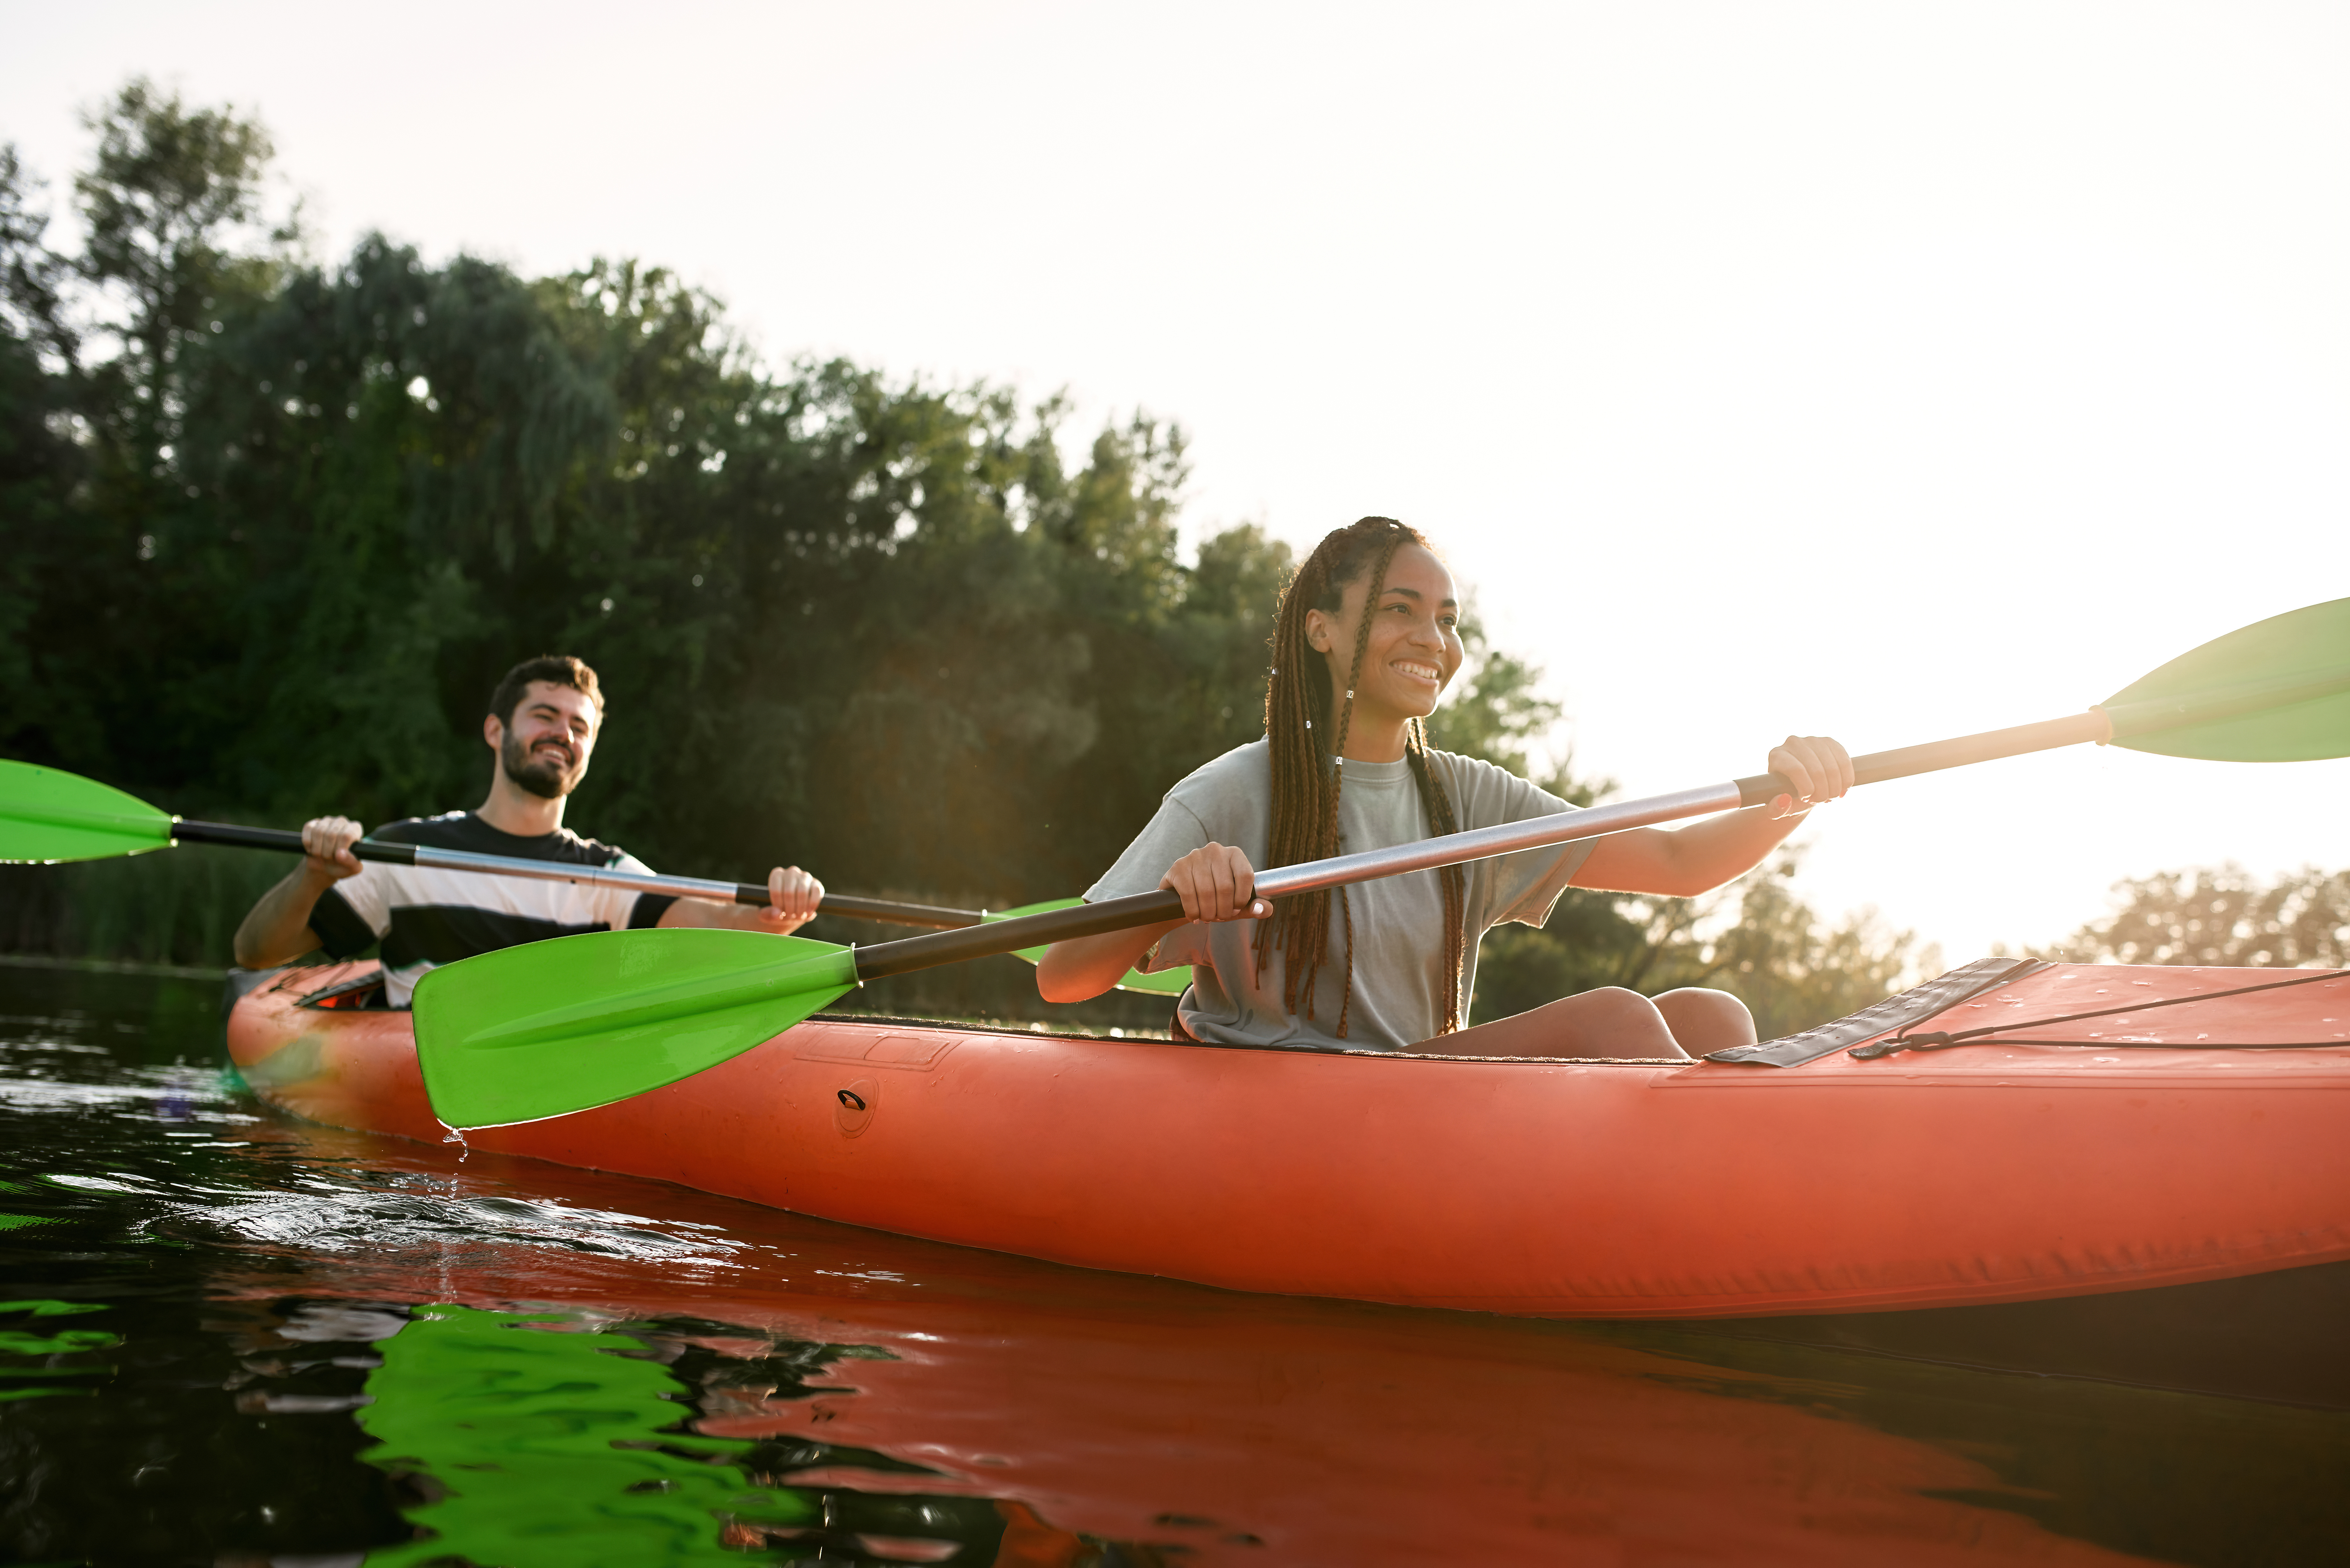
[1338, 765]
[1308, 767]
[1438, 804]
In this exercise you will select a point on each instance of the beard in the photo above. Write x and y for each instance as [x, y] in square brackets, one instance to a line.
[543, 777]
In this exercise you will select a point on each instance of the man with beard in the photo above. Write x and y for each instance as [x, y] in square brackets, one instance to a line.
[541, 729]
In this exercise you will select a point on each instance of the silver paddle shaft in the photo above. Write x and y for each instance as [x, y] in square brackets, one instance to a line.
[752, 893]
[585, 875]
[1507, 839]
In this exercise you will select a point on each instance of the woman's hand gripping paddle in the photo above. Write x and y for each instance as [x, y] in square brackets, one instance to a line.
[1163, 982]
[48, 816]
[559, 1026]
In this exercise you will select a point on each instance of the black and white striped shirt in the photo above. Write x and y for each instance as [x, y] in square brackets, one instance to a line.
[426, 917]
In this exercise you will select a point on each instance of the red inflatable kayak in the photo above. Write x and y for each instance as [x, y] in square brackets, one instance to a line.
[2040, 1131]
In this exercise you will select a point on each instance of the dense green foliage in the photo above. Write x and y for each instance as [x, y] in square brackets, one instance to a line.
[275, 528]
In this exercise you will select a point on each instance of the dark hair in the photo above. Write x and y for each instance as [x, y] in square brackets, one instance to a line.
[1304, 740]
[555, 670]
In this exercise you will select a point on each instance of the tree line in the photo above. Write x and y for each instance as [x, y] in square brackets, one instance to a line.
[2220, 915]
[276, 524]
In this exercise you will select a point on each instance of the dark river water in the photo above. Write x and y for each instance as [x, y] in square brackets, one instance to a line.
[227, 1338]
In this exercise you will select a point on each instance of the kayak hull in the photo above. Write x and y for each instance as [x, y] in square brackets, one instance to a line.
[1559, 1189]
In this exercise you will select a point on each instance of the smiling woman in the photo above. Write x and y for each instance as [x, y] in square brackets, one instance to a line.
[1367, 640]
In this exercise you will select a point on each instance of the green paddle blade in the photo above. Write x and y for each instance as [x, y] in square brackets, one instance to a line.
[46, 815]
[1166, 982]
[553, 1027]
[2276, 691]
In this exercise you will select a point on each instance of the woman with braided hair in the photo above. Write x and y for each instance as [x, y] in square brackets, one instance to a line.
[1365, 641]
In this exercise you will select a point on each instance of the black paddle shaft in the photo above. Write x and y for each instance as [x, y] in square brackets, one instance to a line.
[752, 893]
[911, 953]
[231, 834]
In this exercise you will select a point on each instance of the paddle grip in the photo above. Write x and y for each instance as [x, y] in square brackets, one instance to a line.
[1934, 755]
[1035, 930]
[881, 909]
[232, 834]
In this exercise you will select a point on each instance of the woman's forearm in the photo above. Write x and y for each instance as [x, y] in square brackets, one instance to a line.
[1685, 862]
[1215, 882]
[1688, 861]
[1708, 854]
[1088, 966]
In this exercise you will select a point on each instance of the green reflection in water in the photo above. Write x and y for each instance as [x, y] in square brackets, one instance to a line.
[18, 1382]
[534, 1444]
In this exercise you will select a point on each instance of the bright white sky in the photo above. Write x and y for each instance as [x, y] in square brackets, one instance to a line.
[1884, 371]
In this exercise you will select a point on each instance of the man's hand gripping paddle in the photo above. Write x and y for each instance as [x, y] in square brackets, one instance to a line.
[559, 1026]
[48, 816]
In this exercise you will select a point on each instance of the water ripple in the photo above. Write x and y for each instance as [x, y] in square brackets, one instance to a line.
[324, 1216]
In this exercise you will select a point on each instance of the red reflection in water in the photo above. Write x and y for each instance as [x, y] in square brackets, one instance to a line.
[1249, 1429]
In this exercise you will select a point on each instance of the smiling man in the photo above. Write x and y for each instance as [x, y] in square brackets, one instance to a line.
[541, 730]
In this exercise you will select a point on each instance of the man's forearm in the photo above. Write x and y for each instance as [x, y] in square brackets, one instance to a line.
[278, 929]
[709, 913]
[794, 895]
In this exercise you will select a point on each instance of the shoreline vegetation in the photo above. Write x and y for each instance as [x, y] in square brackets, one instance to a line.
[110, 966]
[277, 522]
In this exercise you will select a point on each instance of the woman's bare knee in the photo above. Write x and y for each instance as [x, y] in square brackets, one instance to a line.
[1611, 1004]
[1609, 1022]
[1614, 1022]
[1703, 1020]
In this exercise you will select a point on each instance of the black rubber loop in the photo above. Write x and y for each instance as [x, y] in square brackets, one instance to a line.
[852, 1100]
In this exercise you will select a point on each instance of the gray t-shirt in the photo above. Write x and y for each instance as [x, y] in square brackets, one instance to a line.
[1398, 996]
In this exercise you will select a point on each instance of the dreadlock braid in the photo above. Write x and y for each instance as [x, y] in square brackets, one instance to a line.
[1308, 767]
[1455, 881]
